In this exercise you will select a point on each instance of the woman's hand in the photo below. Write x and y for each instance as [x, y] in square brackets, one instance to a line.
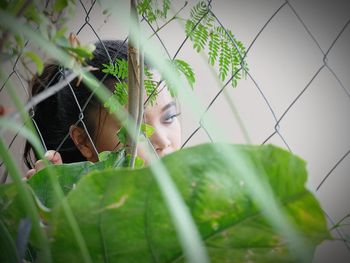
[51, 155]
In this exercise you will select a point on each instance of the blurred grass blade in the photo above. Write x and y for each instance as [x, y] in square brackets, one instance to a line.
[8, 251]
[22, 240]
[27, 202]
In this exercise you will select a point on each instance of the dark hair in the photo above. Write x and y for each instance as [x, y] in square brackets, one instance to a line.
[57, 113]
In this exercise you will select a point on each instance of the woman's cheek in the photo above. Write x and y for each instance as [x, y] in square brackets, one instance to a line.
[175, 134]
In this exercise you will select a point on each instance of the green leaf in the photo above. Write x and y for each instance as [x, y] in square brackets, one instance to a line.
[108, 68]
[123, 217]
[112, 160]
[82, 51]
[119, 97]
[33, 13]
[166, 8]
[37, 60]
[111, 104]
[150, 9]
[150, 85]
[224, 60]
[121, 69]
[186, 70]
[200, 28]
[102, 156]
[60, 5]
[12, 211]
[69, 175]
[189, 29]
[143, 6]
[60, 34]
[121, 91]
[139, 162]
[148, 130]
[214, 46]
[8, 251]
[122, 135]
[200, 37]
[19, 41]
[199, 11]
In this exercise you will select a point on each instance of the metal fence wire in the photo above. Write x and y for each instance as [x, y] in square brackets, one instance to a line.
[279, 10]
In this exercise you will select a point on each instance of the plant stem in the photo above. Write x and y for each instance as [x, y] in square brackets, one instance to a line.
[133, 86]
[140, 106]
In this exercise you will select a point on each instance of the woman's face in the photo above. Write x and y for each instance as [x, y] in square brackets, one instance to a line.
[162, 116]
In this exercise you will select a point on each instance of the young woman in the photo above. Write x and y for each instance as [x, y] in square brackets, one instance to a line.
[58, 116]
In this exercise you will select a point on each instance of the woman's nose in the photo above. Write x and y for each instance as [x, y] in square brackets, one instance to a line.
[160, 142]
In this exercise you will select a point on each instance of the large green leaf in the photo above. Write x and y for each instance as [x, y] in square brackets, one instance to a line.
[123, 218]
[68, 175]
[11, 207]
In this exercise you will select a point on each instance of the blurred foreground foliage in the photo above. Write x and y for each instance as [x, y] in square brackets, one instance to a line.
[123, 218]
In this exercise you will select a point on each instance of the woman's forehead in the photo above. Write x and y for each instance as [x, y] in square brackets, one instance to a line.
[163, 102]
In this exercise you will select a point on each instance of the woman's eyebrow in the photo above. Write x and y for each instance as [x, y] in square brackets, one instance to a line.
[169, 105]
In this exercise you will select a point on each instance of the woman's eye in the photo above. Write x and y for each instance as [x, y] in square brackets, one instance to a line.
[168, 119]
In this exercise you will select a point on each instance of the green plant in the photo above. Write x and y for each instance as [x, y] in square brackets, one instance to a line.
[223, 47]
[123, 217]
[107, 212]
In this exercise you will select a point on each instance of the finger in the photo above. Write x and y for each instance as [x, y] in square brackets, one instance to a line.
[30, 173]
[54, 157]
[39, 165]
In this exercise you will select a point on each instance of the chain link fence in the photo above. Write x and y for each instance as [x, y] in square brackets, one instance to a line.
[296, 94]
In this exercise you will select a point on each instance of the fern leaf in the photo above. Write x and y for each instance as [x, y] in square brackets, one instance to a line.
[236, 76]
[166, 7]
[143, 5]
[208, 20]
[235, 65]
[111, 104]
[223, 47]
[200, 37]
[199, 11]
[119, 97]
[150, 86]
[121, 67]
[224, 60]
[234, 83]
[151, 16]
[121, 92]
[183, 67]
[108, 68]
[145, 9]
[149, 9]
[189, 26]
[214, 46]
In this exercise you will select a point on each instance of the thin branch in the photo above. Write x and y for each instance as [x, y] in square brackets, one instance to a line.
[167, 22]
